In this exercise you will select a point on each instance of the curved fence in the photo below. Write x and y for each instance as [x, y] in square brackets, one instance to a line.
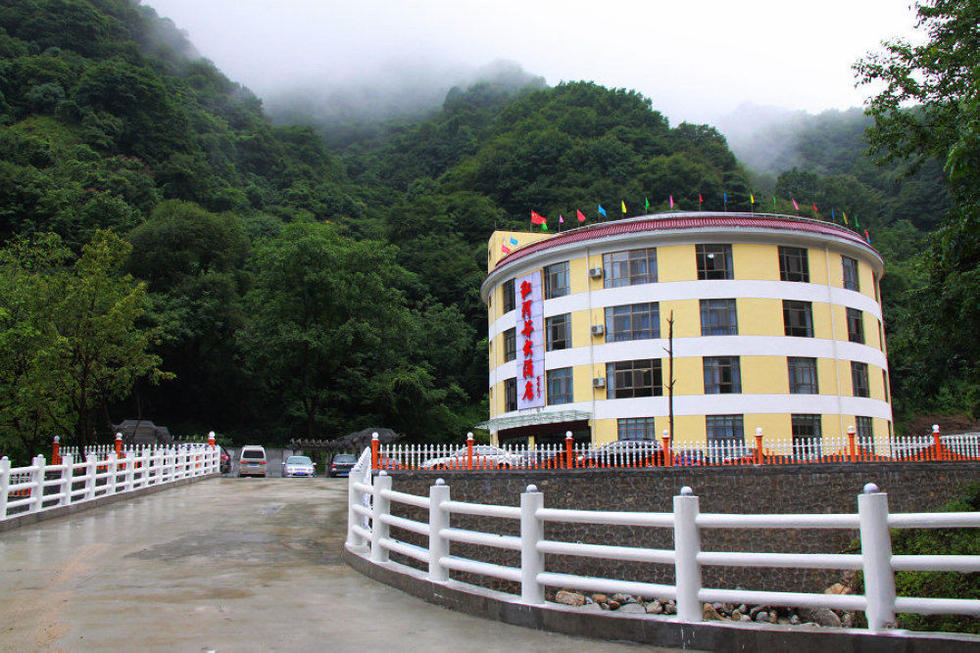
[373, 534]
[41, 486]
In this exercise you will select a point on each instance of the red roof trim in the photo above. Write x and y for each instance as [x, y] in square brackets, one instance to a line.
[676, 221]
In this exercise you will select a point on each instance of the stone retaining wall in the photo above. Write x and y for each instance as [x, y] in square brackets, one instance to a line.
[913, 487]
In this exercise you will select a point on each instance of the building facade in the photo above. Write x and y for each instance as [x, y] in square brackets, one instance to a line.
[776, 323]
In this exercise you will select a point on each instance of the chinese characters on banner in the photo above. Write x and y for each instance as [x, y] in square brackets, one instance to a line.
[530, 341]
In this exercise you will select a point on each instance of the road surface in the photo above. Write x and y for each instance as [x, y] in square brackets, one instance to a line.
[226, 564]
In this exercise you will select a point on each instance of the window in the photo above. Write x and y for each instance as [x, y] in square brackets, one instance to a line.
[874, 282]
[722, 375]
[556, 280]
[560, 386]
[884, 384]
[806, 436]
[865, 432]
[881, 337]
[793, 264]
[797, 318]
[508, 290]
[633, 322]
[855, 325]
[851, 281]
[714, 261]
[629, 268]
[636, 428]
[639, 378]
[802, 375]
[559, 331]
[510, 395]
[859, 379]
[510, 344]
[724, 428]
[718, 317]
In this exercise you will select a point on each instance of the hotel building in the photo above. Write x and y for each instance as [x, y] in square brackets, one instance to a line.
[776, 324]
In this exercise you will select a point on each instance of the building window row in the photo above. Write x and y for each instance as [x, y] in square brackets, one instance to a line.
[636, 378]
[558, 329]
[633, 322]
[629, 268]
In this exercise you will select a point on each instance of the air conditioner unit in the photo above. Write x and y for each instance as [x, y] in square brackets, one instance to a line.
[598, 329]
[599, 382]
[595, 273]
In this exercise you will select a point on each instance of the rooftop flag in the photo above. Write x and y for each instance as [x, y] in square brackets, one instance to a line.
[751, 198]
[580, 215]
[795, 205]
[602, 211]
[725, 197]
[646, 204]
[537, 218]
[624, 206]
[504, 249]
[815, 209]
[513, 241]
[844, 213]
[700, 199]
[671, 201]
[561, 219]
[867, 237]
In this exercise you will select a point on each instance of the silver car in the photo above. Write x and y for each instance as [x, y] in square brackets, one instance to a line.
[484, 456]
[298, 466]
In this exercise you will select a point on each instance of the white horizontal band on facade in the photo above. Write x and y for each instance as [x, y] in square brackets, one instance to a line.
[704, 346]
[728, 404]
[696, 290]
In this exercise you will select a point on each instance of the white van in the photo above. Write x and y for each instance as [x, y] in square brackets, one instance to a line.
[251, 460]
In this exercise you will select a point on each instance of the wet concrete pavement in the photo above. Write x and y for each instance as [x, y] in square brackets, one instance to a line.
[224, 565]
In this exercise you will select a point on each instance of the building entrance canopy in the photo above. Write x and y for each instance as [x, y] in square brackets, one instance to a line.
[533, 418]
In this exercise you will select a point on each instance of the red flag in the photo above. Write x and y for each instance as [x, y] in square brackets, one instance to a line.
[700, 199]
[537, 219]
[581, 216]
[815, 208]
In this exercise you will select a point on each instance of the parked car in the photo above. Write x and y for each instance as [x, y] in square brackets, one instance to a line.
[484, 455]
[298, 466]
[623, 453]
[251, 460]
[341, 464]
[224, 464]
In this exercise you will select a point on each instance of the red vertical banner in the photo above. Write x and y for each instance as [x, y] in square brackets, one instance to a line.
[530, 331]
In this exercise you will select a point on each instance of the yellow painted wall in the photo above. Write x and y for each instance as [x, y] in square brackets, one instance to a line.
[687, 318]
[821, 322]
[498, 238]
[826, 377]
[578, 275]
[759, 317]
[818, 264]
[676, 263]
[764, 375]
[752, 261]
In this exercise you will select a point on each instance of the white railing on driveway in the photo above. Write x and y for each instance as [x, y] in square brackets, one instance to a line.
[41, 486]
[370, 523]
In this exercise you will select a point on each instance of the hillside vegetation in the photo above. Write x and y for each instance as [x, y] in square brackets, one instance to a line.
[272, 286]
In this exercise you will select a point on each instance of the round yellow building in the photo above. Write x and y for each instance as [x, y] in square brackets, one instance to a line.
[776, 323]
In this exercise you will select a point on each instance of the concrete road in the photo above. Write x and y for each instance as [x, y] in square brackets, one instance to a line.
[224, 565]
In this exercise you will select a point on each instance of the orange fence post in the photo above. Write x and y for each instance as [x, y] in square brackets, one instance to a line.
[55, 446]
[851, 451]
[469, 451]
[668, 458]
[758, 446]
[374, 450]
[211, 439]
[937, 443]
[569, 459]
[118, 444]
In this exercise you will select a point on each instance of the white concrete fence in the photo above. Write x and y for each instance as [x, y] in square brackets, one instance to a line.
[41, 486]
[370, 522]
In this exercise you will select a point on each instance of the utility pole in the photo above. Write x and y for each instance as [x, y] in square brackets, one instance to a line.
[670, 373]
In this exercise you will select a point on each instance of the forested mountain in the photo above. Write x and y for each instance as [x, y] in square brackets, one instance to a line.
[167, 252]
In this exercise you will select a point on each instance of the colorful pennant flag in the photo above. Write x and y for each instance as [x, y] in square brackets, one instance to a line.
[773, 202]
[700, 200]
[844, 213]
[725, 197]
[857, 225]
[513, 241]
[580, 215]
[602, 211]
[544, 226]
[537, 218]
[504, 249]
[561, 219]
[815, 209]
[671, 201]
[624, 206]
[646, 204]
[751, 198]
[795, 205]
[833, 218]
[867, 236]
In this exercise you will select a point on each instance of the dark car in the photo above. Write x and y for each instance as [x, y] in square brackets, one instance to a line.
[224, 466]
[341, 464]
[624, 453]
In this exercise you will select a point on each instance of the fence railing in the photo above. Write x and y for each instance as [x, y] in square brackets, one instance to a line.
[370, 525]
[664, 452]
[41, 486]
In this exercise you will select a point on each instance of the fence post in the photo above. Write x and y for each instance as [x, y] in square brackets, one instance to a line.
[110, 485]
[532, 532]
[66, 479]
[438, 520]
[469, 451]
[91, 470]
[381, 505]
[211, 439]
[118, 444]
[4, 485]
[937, 442]
[374, 450]
[851, 449]
[55, 448]
[876, 552]
[569, 454]
[37, 484]
[758, 445]
[354, 540]
[687, 546]
[668, 458]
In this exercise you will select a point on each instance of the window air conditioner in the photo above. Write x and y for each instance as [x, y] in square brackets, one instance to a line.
[595, 273]
[598, 329]
[599, 382]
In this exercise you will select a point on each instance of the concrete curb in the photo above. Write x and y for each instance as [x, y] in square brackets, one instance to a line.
[26, 518]
[653, 629]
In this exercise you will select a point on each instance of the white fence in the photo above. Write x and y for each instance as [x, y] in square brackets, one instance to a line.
[370, 522]
[41, 486]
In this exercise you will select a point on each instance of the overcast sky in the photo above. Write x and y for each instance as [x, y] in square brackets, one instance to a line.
[696, 60]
